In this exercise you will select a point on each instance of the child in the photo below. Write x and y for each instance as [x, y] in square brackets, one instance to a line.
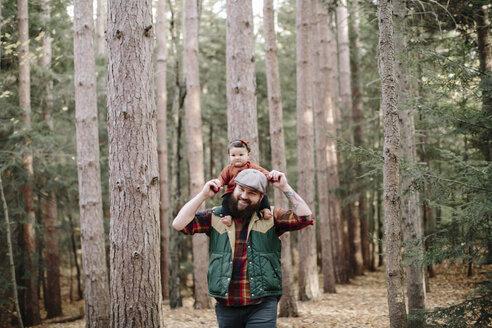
[239, 152]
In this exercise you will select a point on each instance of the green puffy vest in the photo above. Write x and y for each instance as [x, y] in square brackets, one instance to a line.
[263, 251]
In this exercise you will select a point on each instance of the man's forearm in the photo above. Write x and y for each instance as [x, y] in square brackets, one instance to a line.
[298, 204]
[187, 212]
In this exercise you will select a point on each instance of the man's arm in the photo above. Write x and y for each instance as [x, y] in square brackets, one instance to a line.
[279, 180]
[187, 212]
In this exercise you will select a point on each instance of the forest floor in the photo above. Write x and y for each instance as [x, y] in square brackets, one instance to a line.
[362, 303]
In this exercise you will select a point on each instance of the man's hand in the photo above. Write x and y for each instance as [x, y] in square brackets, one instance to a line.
[211, 188]
[278, 179]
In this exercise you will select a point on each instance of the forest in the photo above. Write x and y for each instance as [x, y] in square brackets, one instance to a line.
[113, 114]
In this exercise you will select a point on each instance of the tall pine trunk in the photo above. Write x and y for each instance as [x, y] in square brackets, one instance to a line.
[135, 284]
[52, 299]
[161, 101]
[287, 303]
[30, 306]
[241, 80]
[410, 209]
[195, 146]
[322, 103]
[308, 271]
[391, 161]
[96, 289]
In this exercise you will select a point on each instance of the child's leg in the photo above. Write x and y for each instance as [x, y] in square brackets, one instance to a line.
[265, 207]
[226, 213]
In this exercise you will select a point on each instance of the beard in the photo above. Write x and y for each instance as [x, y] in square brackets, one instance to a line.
[244, 214]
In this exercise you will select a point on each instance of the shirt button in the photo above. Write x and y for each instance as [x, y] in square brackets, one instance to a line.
[227, 294]
[251, 278]
[228, 279]
[252, 294]
[230, 262]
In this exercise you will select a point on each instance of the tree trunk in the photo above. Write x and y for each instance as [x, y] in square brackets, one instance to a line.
[308, 271]
[195, 146]
[410, 210]
[161, 90]
[80, 294]
[391, 150]
[322, 104]
[52, 297]
[31, 304]
[20, 324]
[100, 37]
[241, 79]
[133, 168]
[358, 118]
[96, 289]
[287, 304]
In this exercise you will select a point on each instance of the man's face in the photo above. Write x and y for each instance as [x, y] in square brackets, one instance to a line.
[246, 197]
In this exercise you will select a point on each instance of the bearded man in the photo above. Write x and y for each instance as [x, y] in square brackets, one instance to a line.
[244, 273]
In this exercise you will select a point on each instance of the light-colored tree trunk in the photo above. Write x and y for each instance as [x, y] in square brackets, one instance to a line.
[308, 271]
[52, 298]
[96, 290]
[322, 104]
[100, 37]
[241, 79]
[410, 209]
[31, 303]
[358, 118]
[352, 209]
[287, 303]
[195, 146]
[20, 324]
[161, 90]
[391, 160]
[135, 285]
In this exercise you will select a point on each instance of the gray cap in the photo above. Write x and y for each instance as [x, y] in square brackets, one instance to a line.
[254, 179]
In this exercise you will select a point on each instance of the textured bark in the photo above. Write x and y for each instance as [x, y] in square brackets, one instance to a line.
[31, 304]
[410, 209]
[161, 91]
[484, 46]
[52, 297]
[322, 103]
[287, 304]
[308, 271]
[358, 117]
[135, 285]
[241, 80]
[100, 18]
[195, 146]
[391, 159]
[96, 289]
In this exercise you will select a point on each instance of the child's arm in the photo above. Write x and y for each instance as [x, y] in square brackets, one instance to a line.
[224, 176]
[259, 168]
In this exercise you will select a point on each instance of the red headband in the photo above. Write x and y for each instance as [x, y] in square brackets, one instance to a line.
[244, 142]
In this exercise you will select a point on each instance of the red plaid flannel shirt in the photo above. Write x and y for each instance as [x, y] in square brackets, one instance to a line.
[238, 295]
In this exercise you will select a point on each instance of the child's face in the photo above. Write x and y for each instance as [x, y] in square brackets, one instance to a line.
[238, 156]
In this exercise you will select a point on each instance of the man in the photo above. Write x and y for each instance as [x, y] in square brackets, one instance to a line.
[244, 273]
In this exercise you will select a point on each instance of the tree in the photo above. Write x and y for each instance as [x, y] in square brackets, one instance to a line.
[410, 210]
[241, 80]
[308, 272]
[391, 160]
[161, 91]
[96, 290]
[135, 283]
[322, 104]
[101, 49]
[52, 299]
[287, 303]
[30, 302]
[195, 146]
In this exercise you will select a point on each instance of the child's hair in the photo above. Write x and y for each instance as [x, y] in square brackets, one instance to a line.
[238, 144]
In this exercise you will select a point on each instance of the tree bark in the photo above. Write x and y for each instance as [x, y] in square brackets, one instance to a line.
[161, 90]
[322, 104]
[410, 210]
[195, 146]
[241, 80]
[52, 298]
[133, 168]
[31, 304]
[287, 304]
[391, 159]
[308, 271]
[96, 289]
[100, 37]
